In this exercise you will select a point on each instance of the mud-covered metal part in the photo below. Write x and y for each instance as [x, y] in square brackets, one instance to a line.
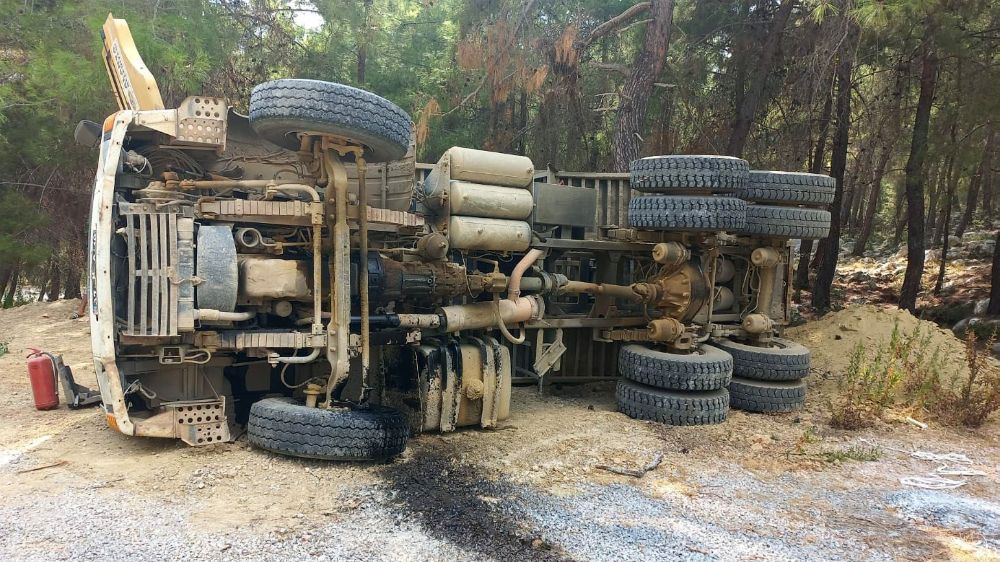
[680, 293]
[185, 274]
[665, 329]
[270, 278]
[459, 384]
[338, 329]
[617, 291]
[195, 422]
[671, 254]
[489, 314]
[757, 324]
[422, 280]
[216, 268]
[433, 246]
[766, 260]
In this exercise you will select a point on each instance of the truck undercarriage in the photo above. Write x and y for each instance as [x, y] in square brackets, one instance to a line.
[295, 272]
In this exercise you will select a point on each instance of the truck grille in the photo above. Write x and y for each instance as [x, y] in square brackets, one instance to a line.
[152, 263]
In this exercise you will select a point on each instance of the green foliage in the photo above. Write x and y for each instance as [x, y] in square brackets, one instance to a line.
[512, 76]
[852, 453]
[908, 372]
[872, 381]
[4, 347]
[19, 223]
[971, 400]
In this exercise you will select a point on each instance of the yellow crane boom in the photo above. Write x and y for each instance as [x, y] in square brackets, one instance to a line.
[134, 86]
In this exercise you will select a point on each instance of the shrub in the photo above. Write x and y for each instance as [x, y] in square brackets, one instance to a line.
[973, 400]
[907, 372]
[872, 381]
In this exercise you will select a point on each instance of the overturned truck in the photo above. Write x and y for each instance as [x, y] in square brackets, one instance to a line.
[293, 271]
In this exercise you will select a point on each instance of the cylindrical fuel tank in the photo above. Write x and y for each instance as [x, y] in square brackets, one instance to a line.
[492, 168]
[478, 200]
[500, 235]
[42, 374]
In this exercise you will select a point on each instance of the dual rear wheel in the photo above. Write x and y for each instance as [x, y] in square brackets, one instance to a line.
[700, 387]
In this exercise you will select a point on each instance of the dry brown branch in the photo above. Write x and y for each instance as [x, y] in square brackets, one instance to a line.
[43, 467]
[651, 465]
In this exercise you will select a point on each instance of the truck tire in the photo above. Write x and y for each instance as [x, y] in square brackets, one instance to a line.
[281, 108]
[709, 368]
[687, 213]
[766, 396]
[786, 222]
[657, 174]
[671, 407]
[814, 190]
[286, 427]
[784, 360]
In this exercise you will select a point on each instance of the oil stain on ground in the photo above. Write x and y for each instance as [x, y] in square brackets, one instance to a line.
[459, 504]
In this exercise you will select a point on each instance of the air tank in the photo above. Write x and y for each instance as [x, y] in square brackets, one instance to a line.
[499, 235]
[493, 168]
[478, 200]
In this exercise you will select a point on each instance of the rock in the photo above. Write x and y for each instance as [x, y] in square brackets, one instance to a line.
[996, 350]
[980, 308]
[961, 326]
[954, 241]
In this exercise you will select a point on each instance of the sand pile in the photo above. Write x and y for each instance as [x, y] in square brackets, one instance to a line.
[833, 338]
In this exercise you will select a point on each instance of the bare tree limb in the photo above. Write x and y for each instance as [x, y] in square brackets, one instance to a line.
[612, 24]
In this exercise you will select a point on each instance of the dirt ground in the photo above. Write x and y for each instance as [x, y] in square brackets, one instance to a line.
[753, 488]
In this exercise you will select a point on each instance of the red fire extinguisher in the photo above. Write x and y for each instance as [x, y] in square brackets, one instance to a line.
[44, 386]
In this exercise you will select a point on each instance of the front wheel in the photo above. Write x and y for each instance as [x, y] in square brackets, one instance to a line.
[284, 426]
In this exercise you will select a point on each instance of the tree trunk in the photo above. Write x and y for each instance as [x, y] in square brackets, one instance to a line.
[6, 271]
[363, 38]
[55, 282]
[914, 181]
[941, 228]
[871, 209]
[751, 100]
[937, 188]
[975, 184]
[639, 86]
[946, 227]
[11, 287]
[850, 185]
[994, 307]
[815, 167]
[830, 246]
[72, 289]
[43, 283]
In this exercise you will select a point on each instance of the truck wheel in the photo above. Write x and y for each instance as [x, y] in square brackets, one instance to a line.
[709, 368]
[691, 213]
[671, 407]
[281, 108]
[814, 190]
[783, 360]
[786, 222]
[766, 396]
[283, 426]
[678, 173]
